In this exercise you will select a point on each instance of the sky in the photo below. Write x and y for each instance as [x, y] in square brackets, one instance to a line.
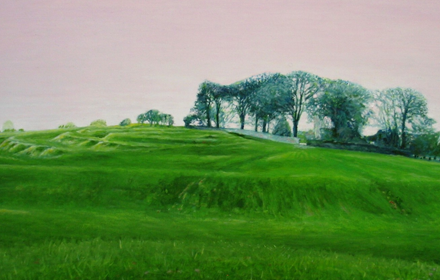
[77, 61]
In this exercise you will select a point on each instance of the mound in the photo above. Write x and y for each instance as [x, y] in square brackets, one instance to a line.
[103, 146]
[89, 143]
[67, 138]
[12, 145]
[33, 151]
[51, 152]
[108, 136]
[62, 137]
[18, 147]
[5, 145]
[15, 147]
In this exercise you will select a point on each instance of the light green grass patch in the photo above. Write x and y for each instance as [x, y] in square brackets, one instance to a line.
[13, 212]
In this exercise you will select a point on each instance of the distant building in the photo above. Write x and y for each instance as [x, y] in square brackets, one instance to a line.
[322, 128]
[317, 125]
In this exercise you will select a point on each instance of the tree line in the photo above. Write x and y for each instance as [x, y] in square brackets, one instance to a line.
[155, 117]
[343, 107]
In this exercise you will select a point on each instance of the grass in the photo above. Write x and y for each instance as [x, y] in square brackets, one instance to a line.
[144, 202]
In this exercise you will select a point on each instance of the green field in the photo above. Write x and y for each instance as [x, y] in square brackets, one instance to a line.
[146, 202]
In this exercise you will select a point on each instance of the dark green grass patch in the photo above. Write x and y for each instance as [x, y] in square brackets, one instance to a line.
[52, 243]
[137, 259]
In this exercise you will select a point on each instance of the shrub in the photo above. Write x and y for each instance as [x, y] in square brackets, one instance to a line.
[99, 123]
[125, 122]
[166, 119]
[189, 120]
[67, 125]
[282, 128]
[8, 126]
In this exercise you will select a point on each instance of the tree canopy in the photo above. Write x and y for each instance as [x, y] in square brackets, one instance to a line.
[67, 125]
[155, 117]
[125, 122]
[8, 126]
[400, 110]
[301, 86]
[99, 123]
[282, 128]
[344, 106]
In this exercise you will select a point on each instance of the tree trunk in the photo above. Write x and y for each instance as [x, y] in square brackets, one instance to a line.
[295, 128]
[264, 125]
[242, 119]
[403, 144]
[217, 115]
[208, 117]
[256, 124]
[335, 131]
[394, 142]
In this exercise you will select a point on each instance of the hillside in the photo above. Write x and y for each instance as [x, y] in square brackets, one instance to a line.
[108, 194]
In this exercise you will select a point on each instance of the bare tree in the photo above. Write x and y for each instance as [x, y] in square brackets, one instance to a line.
[243, 93]
[411, 104]
[400, 108]
[388, 115]
[301, 87]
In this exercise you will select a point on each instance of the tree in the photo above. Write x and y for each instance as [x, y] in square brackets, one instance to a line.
[67, 125]
[190, 119]
[282, 128]
[387, 116]
[155, 117]
[219, 93]
[426, 144]
[411, 105]
[422, 125]
[152, 116]
[400, 110]
[211, 103]
[99, 123]
[267, 102]
[170, 120]
[345, 104]
[203, 104]
[8, 126]
[300, 87]
[166, 119]
[125, 122]
[227, 113]
[243, 94]
[241, 100]
[141, 118]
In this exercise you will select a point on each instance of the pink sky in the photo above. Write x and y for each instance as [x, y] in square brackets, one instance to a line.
[78, 61]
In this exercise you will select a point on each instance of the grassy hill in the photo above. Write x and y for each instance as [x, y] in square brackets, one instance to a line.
[146, 202]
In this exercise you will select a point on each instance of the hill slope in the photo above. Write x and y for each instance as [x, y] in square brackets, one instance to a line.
[249, 172]
[109, 194]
